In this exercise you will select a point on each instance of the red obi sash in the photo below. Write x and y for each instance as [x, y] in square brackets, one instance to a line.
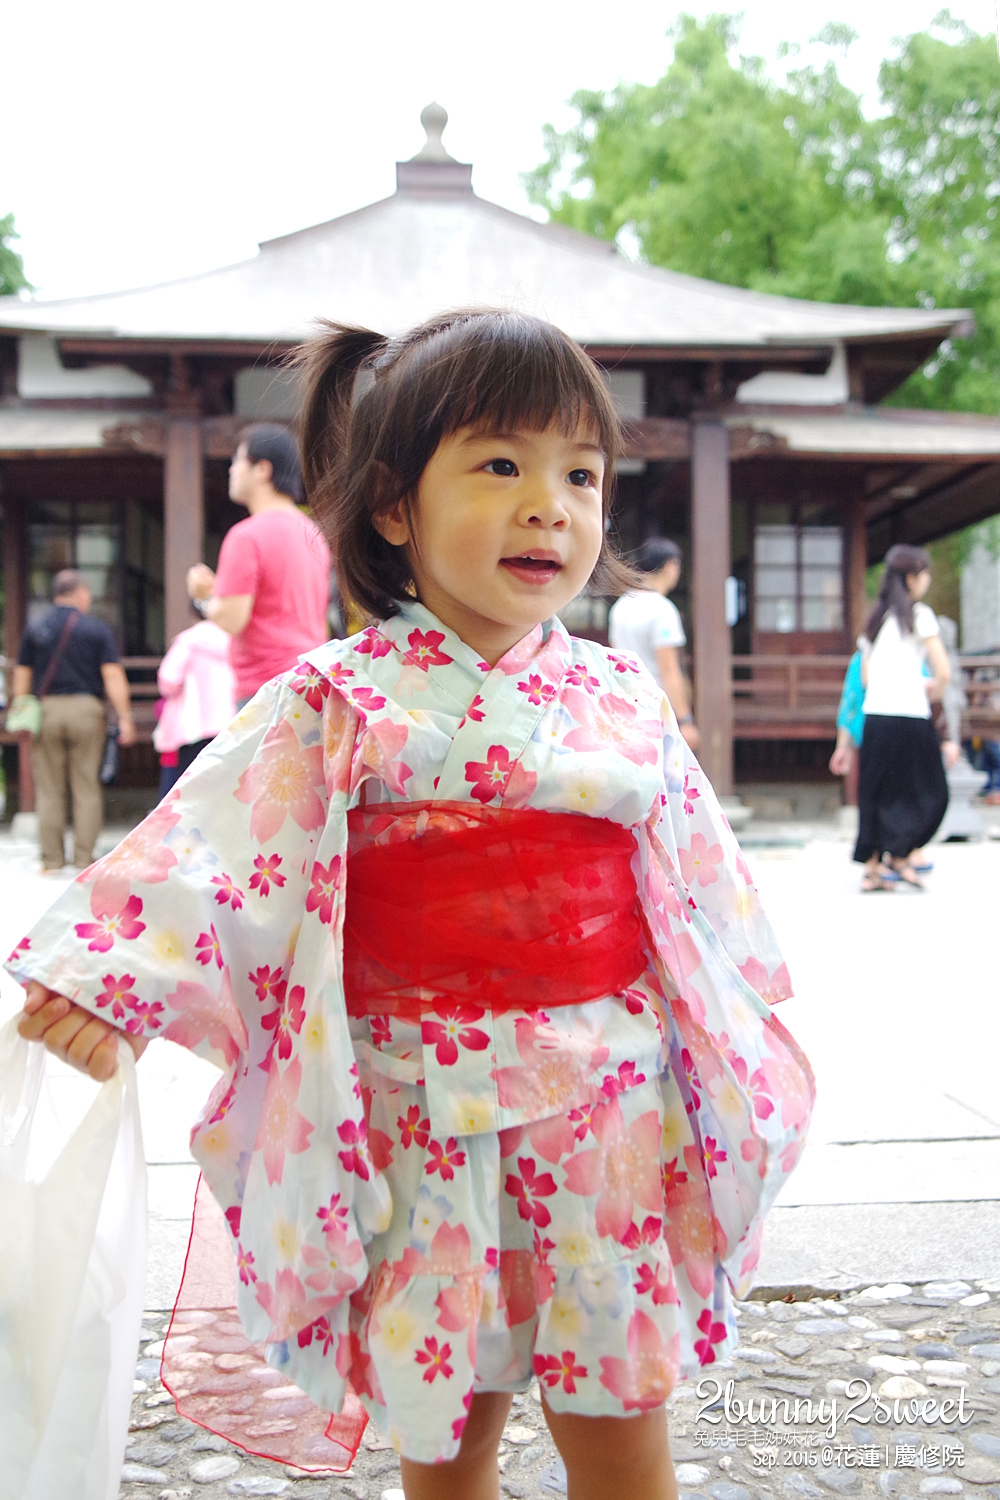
[511, 909]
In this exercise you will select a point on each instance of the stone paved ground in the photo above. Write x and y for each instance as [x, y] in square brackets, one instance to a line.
[897, 1010]
[910, 1344]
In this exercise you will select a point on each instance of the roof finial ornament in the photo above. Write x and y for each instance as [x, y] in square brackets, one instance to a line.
[434, 118]
[434, 170]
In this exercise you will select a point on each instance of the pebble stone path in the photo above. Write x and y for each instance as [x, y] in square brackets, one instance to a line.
[912, 1344]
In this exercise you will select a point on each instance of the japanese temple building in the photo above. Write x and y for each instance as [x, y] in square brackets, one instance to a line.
[756, 438]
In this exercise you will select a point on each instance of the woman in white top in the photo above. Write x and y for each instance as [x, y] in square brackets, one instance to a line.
[647, 623]
[902, 789]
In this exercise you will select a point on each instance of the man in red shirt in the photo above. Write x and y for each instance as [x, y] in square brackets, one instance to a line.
[271, 589]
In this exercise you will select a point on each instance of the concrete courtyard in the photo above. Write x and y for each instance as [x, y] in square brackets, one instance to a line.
[897, 1006]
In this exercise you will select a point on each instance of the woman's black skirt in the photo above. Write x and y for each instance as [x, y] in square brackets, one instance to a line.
[902, 788]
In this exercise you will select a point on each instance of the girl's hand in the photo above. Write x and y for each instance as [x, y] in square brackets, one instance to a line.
[842, 760]
[73, 1034]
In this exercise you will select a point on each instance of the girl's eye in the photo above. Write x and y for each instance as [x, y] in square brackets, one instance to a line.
[506, 468]
[581, 478]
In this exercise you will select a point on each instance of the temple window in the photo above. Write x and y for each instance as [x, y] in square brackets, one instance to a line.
[798, 574]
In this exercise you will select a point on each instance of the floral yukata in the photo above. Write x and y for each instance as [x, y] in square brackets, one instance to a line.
[428, 1207]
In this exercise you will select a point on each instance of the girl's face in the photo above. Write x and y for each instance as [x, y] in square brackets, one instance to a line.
[507, 528]
[918, 583]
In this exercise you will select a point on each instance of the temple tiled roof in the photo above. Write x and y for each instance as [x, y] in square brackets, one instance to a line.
[434, 245]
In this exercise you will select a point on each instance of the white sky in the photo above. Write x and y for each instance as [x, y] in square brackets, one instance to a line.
[145, 141]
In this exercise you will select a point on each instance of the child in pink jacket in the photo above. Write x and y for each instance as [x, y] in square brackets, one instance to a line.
[199, 692]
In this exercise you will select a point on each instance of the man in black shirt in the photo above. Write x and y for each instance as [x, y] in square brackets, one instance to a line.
[87, 666]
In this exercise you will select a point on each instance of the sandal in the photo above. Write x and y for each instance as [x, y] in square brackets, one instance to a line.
[873, 883]
[904, 874]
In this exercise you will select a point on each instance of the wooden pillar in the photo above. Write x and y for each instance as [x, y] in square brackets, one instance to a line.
[856, 600]
[857, 564]
[25, 774]
[15, 581]
[851, 785]
[713, 672]
[15, 576]
[183, 516]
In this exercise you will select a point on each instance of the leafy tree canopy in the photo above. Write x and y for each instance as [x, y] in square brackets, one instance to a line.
[12, 277]
[782, 183]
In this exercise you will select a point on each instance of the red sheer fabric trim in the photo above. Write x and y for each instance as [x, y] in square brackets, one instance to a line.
[223, 1382]
[512, 909]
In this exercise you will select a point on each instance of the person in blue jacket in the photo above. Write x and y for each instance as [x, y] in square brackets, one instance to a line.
[850, 719]
[850, 732]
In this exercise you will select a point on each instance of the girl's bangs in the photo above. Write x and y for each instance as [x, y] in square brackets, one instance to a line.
[534, 409]
[505, 373]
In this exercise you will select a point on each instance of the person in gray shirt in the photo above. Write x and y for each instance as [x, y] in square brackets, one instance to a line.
[647, 623]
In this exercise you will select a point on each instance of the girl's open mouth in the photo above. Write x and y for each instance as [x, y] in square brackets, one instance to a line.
[533, 567]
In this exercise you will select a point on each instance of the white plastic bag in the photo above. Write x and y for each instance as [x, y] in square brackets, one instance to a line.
[72, 1273]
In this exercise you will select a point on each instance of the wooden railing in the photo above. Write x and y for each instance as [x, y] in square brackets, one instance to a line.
[141, 672]
[797, 697]
[981, 679]
[774, 696]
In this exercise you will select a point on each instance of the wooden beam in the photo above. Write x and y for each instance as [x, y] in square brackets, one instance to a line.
[710, 569]
[752, 442]
[663, 438]
[813, 359]
[121, 350]
[973, 496]
[657, 438]
[919, 481]
[219, 434]
[183, 516]
[789, 731]
[145, 436]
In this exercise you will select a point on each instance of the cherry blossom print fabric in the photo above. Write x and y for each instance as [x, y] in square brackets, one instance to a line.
[428, 1206]
[222, 1381]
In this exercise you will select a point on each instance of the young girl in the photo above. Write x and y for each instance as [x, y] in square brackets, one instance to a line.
[199, 697]
[458, 912]
[902, 788]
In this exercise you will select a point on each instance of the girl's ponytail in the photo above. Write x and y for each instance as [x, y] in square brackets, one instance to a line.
[901, 562]
[328, 366]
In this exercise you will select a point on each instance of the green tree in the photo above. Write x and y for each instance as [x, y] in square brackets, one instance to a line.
[940, 161]
[783, 185]
[12, 277]
[716, 170]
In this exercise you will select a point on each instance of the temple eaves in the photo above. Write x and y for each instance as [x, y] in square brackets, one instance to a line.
[433, 169]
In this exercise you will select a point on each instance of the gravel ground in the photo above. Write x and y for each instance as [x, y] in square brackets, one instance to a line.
[939, 1343]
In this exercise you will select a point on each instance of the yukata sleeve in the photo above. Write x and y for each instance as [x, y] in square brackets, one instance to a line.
[155, 937]
[217, 924]
[745, 1086]
[699, 850]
